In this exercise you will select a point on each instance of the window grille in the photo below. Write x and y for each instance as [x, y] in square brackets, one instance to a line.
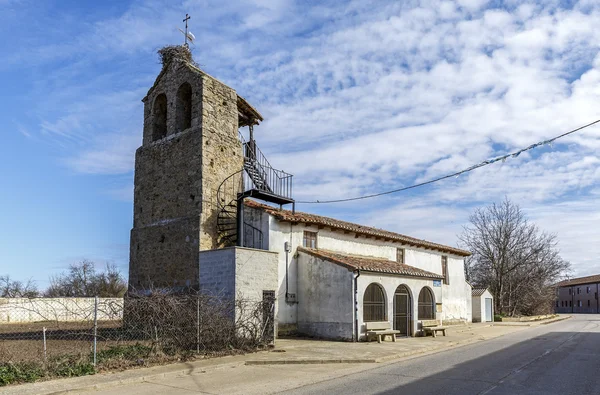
[374, 304]
[426, 311]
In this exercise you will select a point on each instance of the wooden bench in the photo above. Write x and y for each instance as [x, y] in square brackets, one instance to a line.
[433, 326]
[381, 330]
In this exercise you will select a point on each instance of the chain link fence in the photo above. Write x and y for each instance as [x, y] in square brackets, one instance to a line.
[49, 337]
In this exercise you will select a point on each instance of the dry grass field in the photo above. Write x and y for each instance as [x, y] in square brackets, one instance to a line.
[25, 341]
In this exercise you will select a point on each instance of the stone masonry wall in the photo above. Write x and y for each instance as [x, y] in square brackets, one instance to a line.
[222, 152]
[168, 190]
[165, 255]
[177, 178]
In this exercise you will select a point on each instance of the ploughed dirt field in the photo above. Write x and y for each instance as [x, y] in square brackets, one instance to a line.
[25, 341]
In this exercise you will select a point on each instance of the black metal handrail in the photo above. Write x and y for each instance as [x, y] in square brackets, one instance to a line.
[261, 175]
[228, 197]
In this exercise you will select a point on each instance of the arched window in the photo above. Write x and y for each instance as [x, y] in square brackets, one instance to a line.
[159, 112]
[374, 303]
[184, 107]
[426, 308]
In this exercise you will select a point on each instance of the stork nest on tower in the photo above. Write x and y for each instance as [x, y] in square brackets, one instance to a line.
[170, 52]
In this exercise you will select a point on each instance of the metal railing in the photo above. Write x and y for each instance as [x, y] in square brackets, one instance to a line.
[260, 175]
[227, 200]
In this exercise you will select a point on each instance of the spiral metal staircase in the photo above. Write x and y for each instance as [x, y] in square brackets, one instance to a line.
[257, 179]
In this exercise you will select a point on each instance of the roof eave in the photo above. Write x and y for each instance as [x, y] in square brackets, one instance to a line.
[429, 276]
[248, 111]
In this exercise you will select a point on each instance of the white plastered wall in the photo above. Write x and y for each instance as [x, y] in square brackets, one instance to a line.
[325, 290]
[389, 284]
[455, 297]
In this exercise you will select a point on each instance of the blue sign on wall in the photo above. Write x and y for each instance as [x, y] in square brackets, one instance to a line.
[437, 283]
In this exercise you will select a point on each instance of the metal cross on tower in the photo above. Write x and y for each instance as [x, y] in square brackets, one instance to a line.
[187, 18]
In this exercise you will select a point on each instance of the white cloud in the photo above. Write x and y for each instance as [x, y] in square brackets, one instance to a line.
[112, 156]
[359, 98]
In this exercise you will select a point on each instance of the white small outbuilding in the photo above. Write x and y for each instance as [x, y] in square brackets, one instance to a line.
[483, 305]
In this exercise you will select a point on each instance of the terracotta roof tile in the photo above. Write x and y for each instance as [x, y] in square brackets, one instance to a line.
[369, 263]
[478, 291]
[312, 219]
[580, 280]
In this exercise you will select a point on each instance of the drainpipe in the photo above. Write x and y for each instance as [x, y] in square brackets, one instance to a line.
[355, 276]
[240, 222]
[287, 248]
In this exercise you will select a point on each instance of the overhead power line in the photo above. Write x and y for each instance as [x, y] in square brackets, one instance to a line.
[456, 174]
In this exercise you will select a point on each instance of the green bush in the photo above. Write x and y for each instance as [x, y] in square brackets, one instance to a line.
[497, 318]
[20, 372]
[60, 366]
[72, 369]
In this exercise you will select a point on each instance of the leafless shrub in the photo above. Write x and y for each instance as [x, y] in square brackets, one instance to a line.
[82, 280]
[16, 289]
[194, 322]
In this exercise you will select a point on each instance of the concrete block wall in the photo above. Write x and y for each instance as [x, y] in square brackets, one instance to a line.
[255, 272]
[19, 310]
[217, 273]
[237, 272]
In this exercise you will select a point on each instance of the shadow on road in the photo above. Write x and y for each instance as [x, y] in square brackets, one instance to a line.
[552, 363]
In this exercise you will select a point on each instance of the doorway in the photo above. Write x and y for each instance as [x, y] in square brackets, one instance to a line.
[488, 310]
[402, 311]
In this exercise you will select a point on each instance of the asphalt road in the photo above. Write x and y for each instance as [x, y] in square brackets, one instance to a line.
[561, 358]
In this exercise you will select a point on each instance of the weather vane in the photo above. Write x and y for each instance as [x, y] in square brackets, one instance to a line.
[187, 34]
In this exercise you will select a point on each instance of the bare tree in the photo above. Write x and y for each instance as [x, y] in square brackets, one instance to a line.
[82, 280]
[513, 258]
[17, 289]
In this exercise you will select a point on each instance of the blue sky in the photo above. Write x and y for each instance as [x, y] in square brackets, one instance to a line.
[358, 97]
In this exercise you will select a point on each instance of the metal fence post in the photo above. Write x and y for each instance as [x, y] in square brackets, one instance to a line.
[44, 336]
[198, 324]
[95, 326]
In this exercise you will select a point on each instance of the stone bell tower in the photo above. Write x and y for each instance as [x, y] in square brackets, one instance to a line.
[190, 145]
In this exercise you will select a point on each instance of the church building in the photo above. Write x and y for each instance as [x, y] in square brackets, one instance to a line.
[209, 216]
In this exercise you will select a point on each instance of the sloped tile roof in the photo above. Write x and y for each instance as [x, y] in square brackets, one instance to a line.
[312, 219]
[369, 263]
[478, 291]
[580, 280]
